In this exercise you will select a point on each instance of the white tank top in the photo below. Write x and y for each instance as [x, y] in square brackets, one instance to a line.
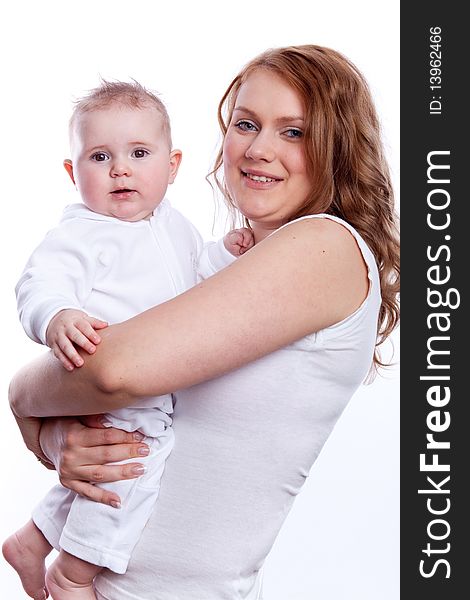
[245, 443]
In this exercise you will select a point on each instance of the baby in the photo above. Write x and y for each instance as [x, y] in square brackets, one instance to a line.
[121, 251]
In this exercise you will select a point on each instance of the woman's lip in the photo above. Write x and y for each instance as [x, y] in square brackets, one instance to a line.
[256, 184]
[260, 174]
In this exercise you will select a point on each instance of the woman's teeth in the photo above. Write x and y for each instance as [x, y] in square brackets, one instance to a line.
[259, 178]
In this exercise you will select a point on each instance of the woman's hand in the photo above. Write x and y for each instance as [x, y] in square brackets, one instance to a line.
[80, 453]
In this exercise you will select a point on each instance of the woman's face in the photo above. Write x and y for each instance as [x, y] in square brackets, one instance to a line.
[264, 160]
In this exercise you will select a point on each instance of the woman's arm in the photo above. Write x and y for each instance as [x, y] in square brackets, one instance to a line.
[302, 278]
[44, 388]
[30, 428]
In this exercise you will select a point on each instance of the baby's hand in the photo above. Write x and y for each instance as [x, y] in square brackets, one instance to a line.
[69, 327]
[238, 241]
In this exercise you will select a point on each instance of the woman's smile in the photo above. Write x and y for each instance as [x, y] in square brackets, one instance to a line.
[259, 179]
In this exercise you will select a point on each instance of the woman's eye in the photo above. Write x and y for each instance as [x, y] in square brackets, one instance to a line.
[245, 125]
[99, 156]
[140, 153]
[294, 133]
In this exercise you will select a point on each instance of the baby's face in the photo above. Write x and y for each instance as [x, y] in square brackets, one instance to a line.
[121, 161]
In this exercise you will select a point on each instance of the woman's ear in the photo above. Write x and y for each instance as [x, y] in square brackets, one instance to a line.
[175, 161]
[69, 168]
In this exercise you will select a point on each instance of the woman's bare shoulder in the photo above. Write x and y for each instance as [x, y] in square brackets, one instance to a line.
[315, 231]
[318, 245]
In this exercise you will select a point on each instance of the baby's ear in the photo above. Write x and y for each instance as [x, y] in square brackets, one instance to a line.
[69, 168]
[175, 161]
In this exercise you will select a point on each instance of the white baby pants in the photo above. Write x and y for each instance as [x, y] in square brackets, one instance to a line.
[100, 534]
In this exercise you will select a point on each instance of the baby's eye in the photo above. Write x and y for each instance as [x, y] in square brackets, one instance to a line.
[245, 125]
[140, 153]
[99, 156]
[293, 133]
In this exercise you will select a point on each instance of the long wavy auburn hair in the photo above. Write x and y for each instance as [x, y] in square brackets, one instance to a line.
[344, 154]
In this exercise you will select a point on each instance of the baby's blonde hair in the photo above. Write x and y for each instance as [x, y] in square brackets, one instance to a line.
[129, 94]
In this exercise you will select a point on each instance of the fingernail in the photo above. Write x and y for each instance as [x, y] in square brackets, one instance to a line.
[138, 436]
[143, 451]
[106, 423]
[115, 504]
[138, 470]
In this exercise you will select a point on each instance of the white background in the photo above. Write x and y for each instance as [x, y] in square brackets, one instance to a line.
[340, 541]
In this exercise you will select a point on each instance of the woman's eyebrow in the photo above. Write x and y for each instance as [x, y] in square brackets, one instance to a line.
[283, 119]
[245, 110]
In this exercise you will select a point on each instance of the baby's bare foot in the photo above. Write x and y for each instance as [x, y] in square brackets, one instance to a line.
[26, 551]
[62, 587]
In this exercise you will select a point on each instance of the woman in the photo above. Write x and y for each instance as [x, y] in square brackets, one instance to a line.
[264, 355]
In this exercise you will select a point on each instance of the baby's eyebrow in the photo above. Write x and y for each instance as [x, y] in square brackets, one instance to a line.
[280, 120]
[102, 147]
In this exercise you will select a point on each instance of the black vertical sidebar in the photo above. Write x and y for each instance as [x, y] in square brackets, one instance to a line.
[435, 331]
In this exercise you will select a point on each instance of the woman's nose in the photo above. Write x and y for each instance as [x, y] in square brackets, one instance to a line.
[262, 147]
